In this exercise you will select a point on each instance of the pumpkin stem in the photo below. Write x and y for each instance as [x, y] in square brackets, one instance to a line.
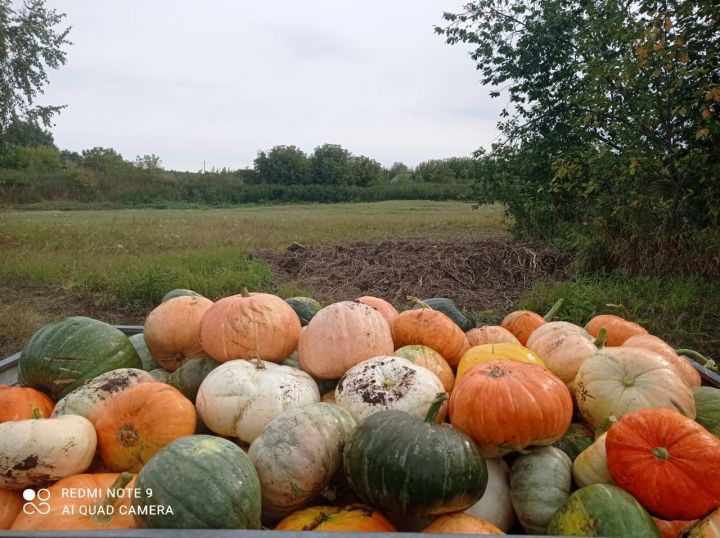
[554, 310]
[36, 413]
[661, 453]
[621, 307]
[244, 292]
[113, 495]
[259, 364]
[419, 302]
[601, 338]
[698, 357]
[434, 409]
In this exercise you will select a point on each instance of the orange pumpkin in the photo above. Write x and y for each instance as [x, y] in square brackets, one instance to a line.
[250, 326]
[341, 335]
[17, 403]
[430, 328]
[490, 334]
[11, 503]
[522, 323]
[618, 329]
[388, 311]
[495, 352]
[354, 518]
[136, 423]
[432, 360]
[70, 513]
[673, 529]
[667, 461]
[172, 330]
[505, 406]
[684, 369]
[461, 523]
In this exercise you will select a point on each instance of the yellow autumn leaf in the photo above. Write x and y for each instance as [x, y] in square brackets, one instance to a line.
[702, 133]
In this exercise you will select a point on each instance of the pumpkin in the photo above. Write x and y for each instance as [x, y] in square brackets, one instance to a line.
[432, 360]
[172, 330]
[674, 529]
[136, 423]
[388, 311]
[563, 347]
[160, 375]
[413, 467]
[217, 487]
[328, 397]
[188, 378]
[298, 454]
[619, 380]
[708, 527]
[17, 403]
[505, 406]
[522, 323]
[602, 510]
[540, 483]
[354, 518]
[576, 439]
[35, 452]
[304, 307]
[387, 383]
[148, 361]
[495, 505]
[108, 508]
[239, 398]
[63, 355]
[251, 326]
[493, 352]
[85, 400]
[590, 467]
[667, 461]
[340, 336]
[430, 328]
[11, 504]
[451, 310]
[707, 405]
[461, 523]
[179, 292]
[324, 385]
[490, 334]
[684, 369]
[618, 329]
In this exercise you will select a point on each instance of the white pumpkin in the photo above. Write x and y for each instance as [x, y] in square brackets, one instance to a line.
[495, 505]
[240, 397]
[298, 454]
[85, 399]
[618, 380]
[387, 382]
[35, 452]
[563, 347]
[590, 466]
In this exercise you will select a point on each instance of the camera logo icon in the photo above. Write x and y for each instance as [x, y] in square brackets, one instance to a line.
[36, 501]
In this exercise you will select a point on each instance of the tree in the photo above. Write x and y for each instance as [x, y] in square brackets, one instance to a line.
[29, 44]
[103, 160]
[329, 164]
[399, 172]
[23, 133]
[364, 171]
[283, 165]
[613, 109]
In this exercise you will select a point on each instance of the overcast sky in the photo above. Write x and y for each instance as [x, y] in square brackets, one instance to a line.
[219, 80]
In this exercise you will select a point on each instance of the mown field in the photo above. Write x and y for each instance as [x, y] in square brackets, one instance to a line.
[115, 265]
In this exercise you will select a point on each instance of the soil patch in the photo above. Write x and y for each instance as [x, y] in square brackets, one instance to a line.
[478, 275]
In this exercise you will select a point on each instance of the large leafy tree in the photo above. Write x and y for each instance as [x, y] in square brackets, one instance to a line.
[30, 44]
[612, 112]
[283, 165]
[330, 164]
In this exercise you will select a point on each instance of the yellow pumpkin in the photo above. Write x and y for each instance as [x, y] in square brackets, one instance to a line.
[493, 352]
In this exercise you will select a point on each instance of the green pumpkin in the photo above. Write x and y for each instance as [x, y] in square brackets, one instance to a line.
[160, 374]
[602, 510]
[63, 355]
[208, 483]
[451, 310]
[324, 385]
[148, 361]
[410, 467]
[189, 376]
[707, 403]
[179, 292]
[540, 483]
[305, 308]
[577, 438]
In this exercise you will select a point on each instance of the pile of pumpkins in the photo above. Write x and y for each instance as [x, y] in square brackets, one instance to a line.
[260, 412]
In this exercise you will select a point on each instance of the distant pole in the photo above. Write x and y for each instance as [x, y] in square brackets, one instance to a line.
[203, 166]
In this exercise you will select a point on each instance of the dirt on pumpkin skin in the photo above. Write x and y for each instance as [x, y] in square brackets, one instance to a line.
[478, 275]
